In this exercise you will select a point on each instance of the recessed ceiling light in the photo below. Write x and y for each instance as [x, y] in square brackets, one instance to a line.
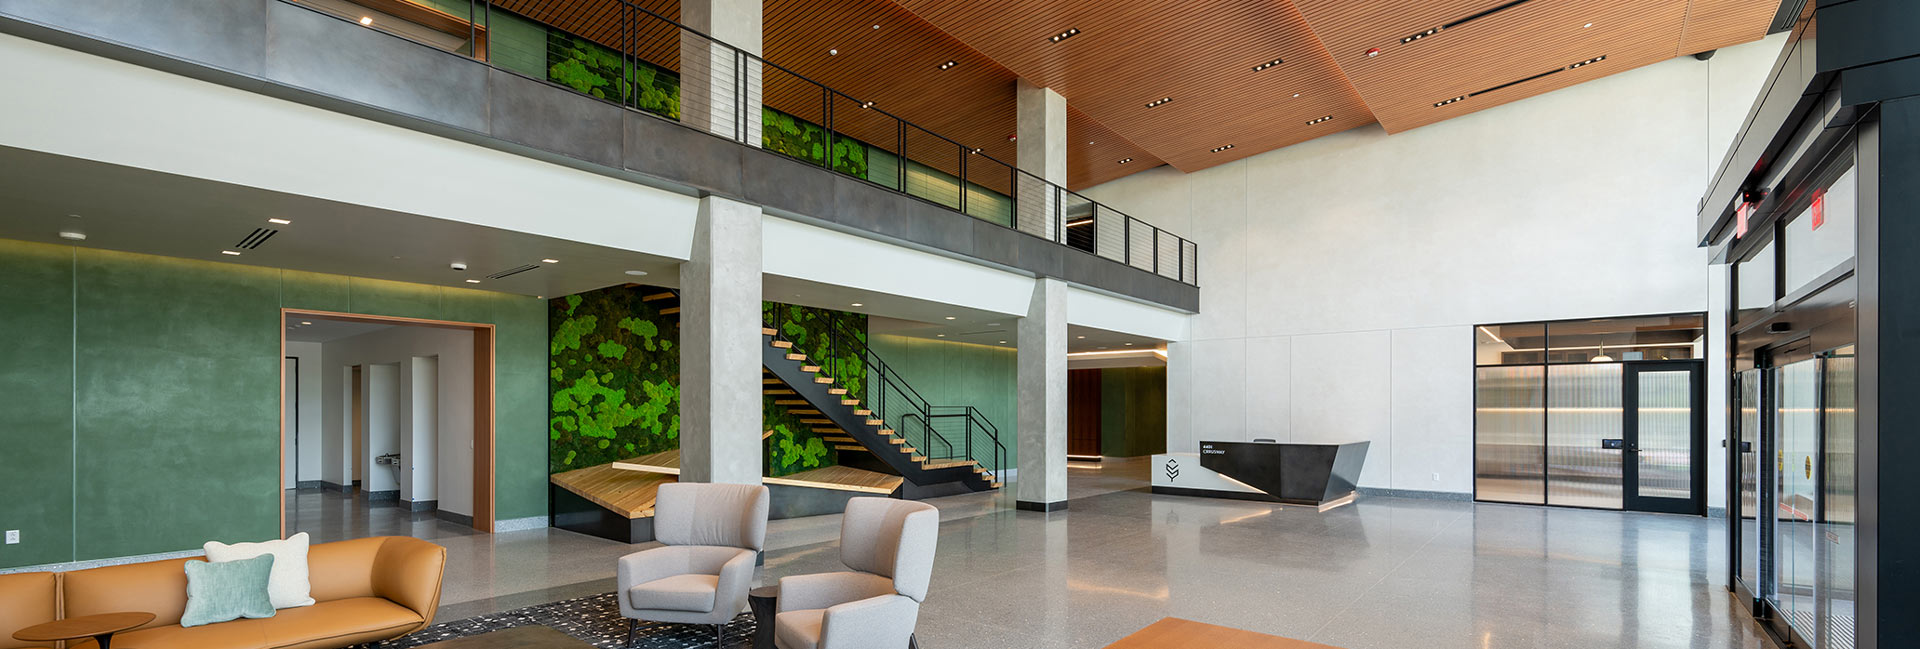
[304, 323]
[1222, 148]
[1296, 95]
[366, 20]
[1449, 101]
[1268, 64]
[549, 261]
[1586, 25]
[1080, 337]
[949, 65]
[637, 273]
[1125, 160]
[1157, 103]
[473, 281]
[939, 335]
[1129, 344]
[235, 253]
[868, 104]
[950, 317]
[1070, 33]
[279, 221]
[1317, 121]
[833, 52]
[858, 304]
[876, 26]
[1588, 62]
[1003, 342]
[73, 235]
[1418, 36]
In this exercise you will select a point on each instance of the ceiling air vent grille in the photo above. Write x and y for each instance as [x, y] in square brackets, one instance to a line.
[259, 236]
[1510, 84]
[1435, 30]
[512, 271]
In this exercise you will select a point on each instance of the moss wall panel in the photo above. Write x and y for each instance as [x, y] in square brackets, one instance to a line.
[178, 372]
[36, 422]
[613, 377]
[1133, 411]
[958, 374]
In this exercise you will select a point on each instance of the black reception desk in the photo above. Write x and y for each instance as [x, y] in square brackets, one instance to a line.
[1306, 474]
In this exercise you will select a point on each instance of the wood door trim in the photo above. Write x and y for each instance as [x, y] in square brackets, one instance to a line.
[484, 475]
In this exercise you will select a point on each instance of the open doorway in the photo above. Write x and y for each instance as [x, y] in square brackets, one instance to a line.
[389, 425]
[1116, 411]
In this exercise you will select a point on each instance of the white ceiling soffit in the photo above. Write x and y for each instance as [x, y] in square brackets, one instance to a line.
[137, 210]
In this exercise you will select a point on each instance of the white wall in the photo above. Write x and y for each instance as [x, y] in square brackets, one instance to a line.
[442, 466]
[381, 383]
[1341, 278]
[306, 393]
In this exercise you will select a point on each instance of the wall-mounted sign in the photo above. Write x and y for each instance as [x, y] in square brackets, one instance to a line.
[1819, 208]
[1740, 215]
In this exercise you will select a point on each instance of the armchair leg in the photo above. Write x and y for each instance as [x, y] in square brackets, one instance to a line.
[720, 635]
[631, 623]
[913, 641]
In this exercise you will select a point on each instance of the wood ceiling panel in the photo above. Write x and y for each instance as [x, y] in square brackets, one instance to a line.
[1713, 24]
[1094, 152]
[1201, 53]
[1405, 80]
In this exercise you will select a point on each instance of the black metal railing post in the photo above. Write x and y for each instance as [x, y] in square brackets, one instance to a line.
[963, 178]
[1156, 249]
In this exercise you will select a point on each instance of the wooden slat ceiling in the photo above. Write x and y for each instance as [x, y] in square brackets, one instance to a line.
[1201, 53]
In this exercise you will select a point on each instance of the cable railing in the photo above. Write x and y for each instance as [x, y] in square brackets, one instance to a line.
[624, 52]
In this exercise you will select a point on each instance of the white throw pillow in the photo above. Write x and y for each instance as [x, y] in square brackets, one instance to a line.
[287, 585]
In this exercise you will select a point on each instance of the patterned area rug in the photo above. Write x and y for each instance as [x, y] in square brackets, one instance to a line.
[594, 619]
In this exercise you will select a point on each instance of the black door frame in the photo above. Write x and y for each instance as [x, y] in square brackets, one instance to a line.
[1696, 502]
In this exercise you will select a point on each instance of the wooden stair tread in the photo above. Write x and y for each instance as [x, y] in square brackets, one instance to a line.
[862, 412]
[949, 464]
[810, 369]
[657, 296]
[875, 422]
[844, 447]
[842, 478]
[837, 391]
[772, 382]
[823, 380]
[896, 440]
[670, 310]
[782, 344]
[806, 420]
[827, 431]
[796, 357]
[765, 331]
[849, 402]
[790, 402]
[779, 391]
[840, 439]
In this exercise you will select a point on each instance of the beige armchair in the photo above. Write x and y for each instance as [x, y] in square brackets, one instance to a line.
[713, 534]
[889, 545]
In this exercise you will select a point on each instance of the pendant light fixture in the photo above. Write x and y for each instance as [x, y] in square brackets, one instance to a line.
[1603, 357]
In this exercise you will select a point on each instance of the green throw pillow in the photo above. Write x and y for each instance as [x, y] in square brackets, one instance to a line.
[218, 592]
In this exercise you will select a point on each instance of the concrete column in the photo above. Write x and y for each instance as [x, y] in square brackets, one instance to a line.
[716, 84]
[1042, 383]
[1180, 436]
[720, 346]
[1041, 130]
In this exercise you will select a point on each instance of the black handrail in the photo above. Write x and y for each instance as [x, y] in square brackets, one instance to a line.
[1039, 216]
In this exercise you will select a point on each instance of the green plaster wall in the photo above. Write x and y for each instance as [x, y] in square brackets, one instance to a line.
[957, 374]
[151, 418]
[1133, 411]
[614, 380]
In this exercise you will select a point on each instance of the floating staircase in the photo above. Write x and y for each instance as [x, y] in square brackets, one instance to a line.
[943, 449]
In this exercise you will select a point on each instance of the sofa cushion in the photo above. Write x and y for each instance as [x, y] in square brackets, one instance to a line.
[26, 599]
[798, 629]
[287, 586]
[223, 592]
[677, 593]
[339, 623]
[157, 587]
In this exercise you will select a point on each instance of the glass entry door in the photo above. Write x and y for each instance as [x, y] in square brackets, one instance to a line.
[1663, 427]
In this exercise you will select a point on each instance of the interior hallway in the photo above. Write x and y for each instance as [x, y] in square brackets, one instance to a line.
[1383, 572]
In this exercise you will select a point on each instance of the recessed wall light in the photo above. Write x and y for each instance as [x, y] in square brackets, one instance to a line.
[279, 221]
[1221, 148]
[473, 281]
[1317, 121]
[637, 273]
[1268, 64]
[1070, 33]
[235, 253]
[549, 261]
[1157, 103]
[366, 20]
[73, 235]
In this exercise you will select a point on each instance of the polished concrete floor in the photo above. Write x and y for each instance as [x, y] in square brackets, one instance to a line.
[1382, 572]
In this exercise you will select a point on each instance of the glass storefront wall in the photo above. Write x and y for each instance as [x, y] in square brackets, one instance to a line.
[1553, 423]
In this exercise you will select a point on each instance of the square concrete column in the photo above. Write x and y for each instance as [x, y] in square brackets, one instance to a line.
[1041, 484]
[1041, 148]
[1180, 435]
[720, 88]
[720, 343]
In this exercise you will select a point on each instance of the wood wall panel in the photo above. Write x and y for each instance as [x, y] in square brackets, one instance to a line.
[1083, 412]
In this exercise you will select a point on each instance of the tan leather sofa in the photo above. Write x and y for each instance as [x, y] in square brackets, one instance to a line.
[365, 590]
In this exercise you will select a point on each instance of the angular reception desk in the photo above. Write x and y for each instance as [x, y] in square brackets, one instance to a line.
[1303, 474]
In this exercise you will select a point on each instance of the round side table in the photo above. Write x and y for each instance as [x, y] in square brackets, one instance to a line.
[100, 627]
[763, 601]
